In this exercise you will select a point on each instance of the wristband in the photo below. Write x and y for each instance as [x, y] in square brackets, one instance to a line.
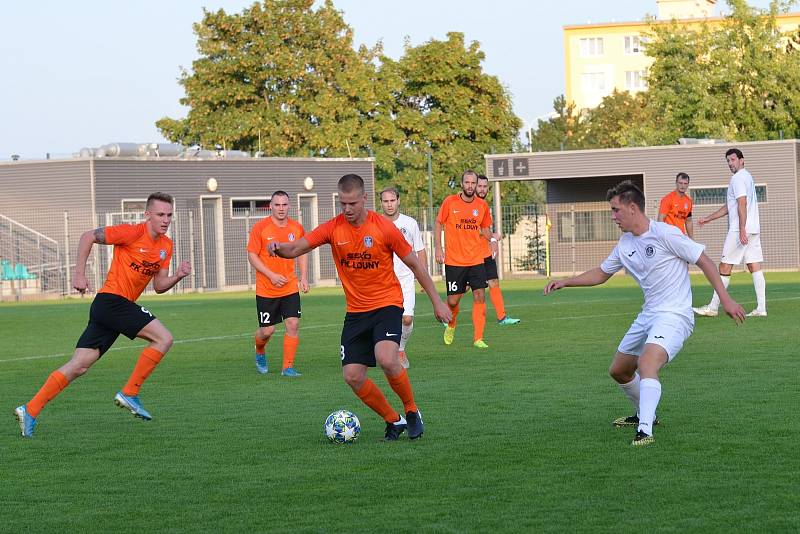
[493, 240]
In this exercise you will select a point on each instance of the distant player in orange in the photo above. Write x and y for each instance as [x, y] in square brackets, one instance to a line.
[467, 226]
[277, 295]
[676, 207]
[490, 264]
[363, 243]
[142, 252]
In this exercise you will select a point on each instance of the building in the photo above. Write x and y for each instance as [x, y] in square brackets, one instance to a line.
[581, 231]
[46, 205]
[599, 58]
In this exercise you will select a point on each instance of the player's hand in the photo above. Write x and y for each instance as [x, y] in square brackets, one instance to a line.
[495, 249]
[442, 312]
[304, 285]
[734, 310]
[80, 283]
[184, 269]
[439, 255]
[553, 285]
[743, 237]
[278, 280]
[702, 221]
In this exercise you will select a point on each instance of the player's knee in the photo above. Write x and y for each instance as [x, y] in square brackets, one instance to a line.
[292, 326]
[620, 375]
[354, 380]
[408, 321]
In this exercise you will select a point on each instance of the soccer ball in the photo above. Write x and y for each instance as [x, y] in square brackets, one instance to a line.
[342, 427]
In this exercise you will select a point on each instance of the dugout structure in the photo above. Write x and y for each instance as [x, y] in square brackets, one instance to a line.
[581, 233]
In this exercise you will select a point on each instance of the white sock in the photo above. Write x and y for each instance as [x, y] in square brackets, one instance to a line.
[650, 392]
[761, 290]
[405, 334]
[631, 390]
[714, 304]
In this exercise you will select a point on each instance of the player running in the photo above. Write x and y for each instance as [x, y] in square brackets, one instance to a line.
[656, 255]
[142, 252]
[363, 243]
[277, 295]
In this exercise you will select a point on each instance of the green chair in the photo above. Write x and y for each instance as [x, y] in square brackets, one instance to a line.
[22, 273]
[7, 272]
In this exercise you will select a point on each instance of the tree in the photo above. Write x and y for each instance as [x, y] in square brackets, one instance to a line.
[565, 130]
[623, 120]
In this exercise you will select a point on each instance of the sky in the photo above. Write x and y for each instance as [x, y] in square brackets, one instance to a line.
[86, 73]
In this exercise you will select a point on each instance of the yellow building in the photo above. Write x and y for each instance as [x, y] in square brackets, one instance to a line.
[602, 57]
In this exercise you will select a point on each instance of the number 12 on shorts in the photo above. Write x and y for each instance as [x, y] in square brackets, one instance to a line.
[264, 317]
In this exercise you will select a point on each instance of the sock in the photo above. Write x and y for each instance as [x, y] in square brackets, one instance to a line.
[289, 350]
[452, 323]
[54, 385]
[714, 304]
[147, 362]
[402, 386]
[496, 296]
[631, 390]
[761, 290]
[650, 394]
[478, 319]
[260, 345]
[405, 334]
[372, 396]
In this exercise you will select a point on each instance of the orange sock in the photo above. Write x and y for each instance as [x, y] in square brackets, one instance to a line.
[372, 396]
[452, 323]
[478, 319]
[54, 385]
[496, 297]
[289, 350]
[402, 386]
[260, 345]
[147, 362]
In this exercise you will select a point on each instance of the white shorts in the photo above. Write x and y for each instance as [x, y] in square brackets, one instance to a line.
[733, 252]
[668, 330]
[409, 286]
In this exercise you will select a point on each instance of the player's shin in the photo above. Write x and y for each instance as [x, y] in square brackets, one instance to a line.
[649, 396]
[373, 397]
[54, 385]
[148, 360]
[290, 344]
[496, 296]
[478, 319]
[405, 334]
[402, 386]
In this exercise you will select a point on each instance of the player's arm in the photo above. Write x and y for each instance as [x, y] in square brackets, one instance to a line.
[290, 250]
[437, 241]
[741, 208]
[731, 307]
[85, 243]
[163, 282]
[723, 211]
[302, 261]
[440, 309]
[594, 277]
[278, 280]
[689, 227]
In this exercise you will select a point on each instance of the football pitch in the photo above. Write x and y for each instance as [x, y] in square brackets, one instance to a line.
[518, 437]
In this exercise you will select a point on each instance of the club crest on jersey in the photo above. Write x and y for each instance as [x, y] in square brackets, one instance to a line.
[404, 231]
[162, 254]
[650, 251]
[368, 241]
[291, 237]
[475, 213]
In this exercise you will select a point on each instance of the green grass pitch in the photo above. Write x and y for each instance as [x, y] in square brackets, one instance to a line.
[518, 437]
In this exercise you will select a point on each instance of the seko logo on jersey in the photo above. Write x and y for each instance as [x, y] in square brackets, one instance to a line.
[360, 260]
[146, 268]
[468, 223]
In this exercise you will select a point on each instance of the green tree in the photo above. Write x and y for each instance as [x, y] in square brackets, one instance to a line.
[623, 119]
[565, 130]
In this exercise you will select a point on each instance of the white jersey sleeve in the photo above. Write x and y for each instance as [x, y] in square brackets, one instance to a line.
[681, 245]
[417, 243]
[613, 263]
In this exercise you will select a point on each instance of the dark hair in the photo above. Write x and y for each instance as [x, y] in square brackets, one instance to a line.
[351, 182]
[682, 176]
[391, 189]
[628, 193]
[468, 172]
[280, 193]
[163, 197]
[734, 151]
[482, 177]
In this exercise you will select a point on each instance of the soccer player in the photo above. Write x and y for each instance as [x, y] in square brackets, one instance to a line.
[277, 295]
[466, 221]
[142, 252]
[676, 207]
[743, 241]
[490, 263]
[656, 255]
[390, 203]
[363, 243]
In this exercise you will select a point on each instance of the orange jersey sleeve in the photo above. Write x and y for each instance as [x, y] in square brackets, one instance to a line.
[137, 259]
[262, 234]
[364, 259]
[463, 221]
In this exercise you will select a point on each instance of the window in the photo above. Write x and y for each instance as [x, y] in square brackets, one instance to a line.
[634, 44]
[592, 46]
[635, 80]
[705, 196]
[593, 82]
[242, 208]
[589, 226]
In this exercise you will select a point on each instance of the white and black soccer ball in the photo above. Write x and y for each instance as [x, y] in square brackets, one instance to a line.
[342, 427]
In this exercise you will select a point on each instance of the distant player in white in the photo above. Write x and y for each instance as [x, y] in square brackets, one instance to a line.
[656, 255]
[743, 241]
[390, 203]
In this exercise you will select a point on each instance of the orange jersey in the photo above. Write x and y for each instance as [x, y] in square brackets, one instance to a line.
[137, 259]
[677, 209]
[463, 221]
[263, 233]
[363, 257]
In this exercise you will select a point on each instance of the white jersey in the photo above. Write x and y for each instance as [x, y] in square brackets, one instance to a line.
[410, 230]
[657, 260]
[742, 185]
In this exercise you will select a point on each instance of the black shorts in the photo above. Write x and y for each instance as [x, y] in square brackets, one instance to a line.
[363, 330]
[110, 316]
[273, 310]
[490, 265]
[458, 278]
